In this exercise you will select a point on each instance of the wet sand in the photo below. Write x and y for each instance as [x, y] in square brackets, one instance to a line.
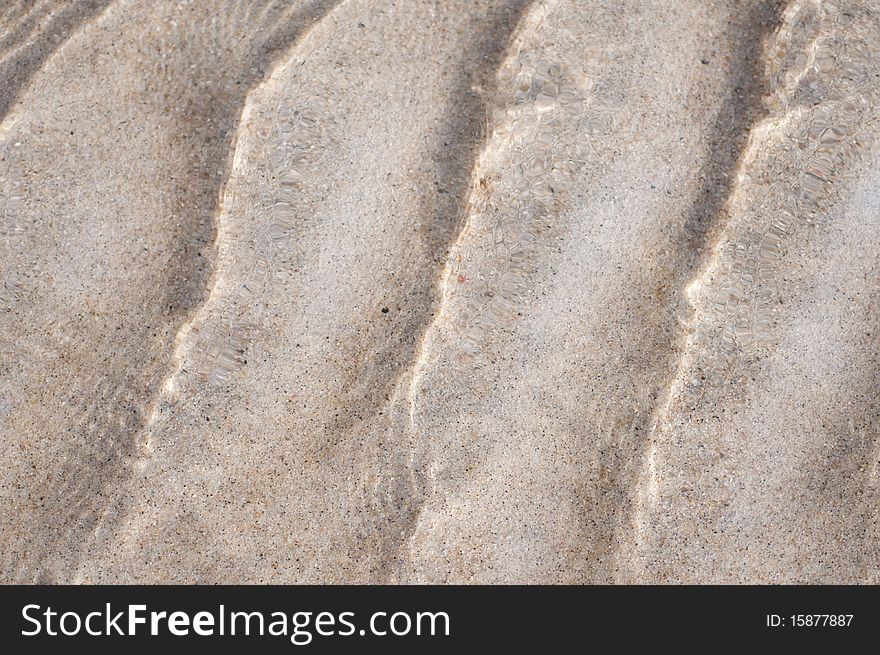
[439, 291]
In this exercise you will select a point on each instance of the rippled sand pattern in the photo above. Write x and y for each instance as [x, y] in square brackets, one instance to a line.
[444, 291]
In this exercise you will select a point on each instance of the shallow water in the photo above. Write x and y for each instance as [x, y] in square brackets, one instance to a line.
[455, 291]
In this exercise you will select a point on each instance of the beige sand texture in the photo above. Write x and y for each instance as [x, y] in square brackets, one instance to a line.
[445, 291]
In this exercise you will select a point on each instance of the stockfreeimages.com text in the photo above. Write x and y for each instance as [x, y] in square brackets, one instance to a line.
[300, 627]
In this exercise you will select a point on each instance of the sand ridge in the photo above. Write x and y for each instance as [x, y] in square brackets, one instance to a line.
[440, 291]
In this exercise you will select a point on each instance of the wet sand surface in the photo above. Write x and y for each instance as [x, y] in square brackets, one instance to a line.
[446, 291]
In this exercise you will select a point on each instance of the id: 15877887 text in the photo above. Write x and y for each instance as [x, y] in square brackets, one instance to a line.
[809, 621]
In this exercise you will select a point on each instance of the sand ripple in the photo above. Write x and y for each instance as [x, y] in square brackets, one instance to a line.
[459, 291]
